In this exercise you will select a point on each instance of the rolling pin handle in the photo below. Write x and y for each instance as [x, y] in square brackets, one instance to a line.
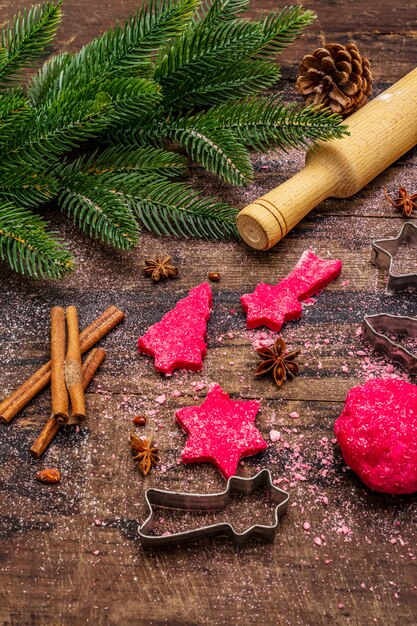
[266, 221]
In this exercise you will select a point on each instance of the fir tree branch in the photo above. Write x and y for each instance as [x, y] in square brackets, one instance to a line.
[41, 86]
[172, 208]
[27, 37]
[55, 129]
[96, 209]
[24, 186]
[140, 176]
[14, 112]
[120, 160]
[245, 78]
[76, 116]
[127, 49]
[27, 246]
[264, 123]
[216, 10]
[203, 50]
[280, 29]
[150, 132]
[216, 149]
[132, 99]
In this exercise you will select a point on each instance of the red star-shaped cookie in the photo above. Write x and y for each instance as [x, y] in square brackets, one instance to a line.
[272, 305]
[221, 431]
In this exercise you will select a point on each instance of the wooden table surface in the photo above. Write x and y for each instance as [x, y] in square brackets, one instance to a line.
[57, 566]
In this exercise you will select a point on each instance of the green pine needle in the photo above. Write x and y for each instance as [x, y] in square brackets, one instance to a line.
[265, 123]
[14, 111]
[204, 50]
[140, 162]
[76, 116]
[97, 210]
[141, 177]
[216, 149]
[129, 48]
[26, 39]
[216, 10]
[280, 29]
[238, 80]
[43, 83]
[27, 246]
[23, 186]
[170, 208]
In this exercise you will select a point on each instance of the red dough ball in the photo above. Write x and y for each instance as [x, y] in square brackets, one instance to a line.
[377, 433]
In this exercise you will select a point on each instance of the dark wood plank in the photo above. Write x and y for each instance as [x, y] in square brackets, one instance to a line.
[364, 571]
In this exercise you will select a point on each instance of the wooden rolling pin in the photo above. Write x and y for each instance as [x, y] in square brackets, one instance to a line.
[380, 132]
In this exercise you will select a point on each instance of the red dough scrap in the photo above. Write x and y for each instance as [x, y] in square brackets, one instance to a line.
[377, 433]
[221, 431]
[178, 340]
[272, 305]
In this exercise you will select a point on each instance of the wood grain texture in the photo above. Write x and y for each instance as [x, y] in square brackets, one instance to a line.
[364, 571]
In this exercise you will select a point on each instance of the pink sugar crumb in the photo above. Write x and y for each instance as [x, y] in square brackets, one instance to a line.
[273, 305]
[176, 393]
[178, 340]
[199, 386]
[294, 415]
[96, 552]
[161, 399]
[317, 541]
[306, 526]
[274, 435]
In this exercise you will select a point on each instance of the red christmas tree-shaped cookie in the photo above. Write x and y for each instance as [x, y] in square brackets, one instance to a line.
[272, 305]
[178, 340]
[221, 431]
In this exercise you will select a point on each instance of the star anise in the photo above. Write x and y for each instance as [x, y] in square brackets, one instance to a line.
[160, 267]
[146, 453]
[404, 201]
[277, 362]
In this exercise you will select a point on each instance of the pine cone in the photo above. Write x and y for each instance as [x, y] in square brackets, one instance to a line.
[335, 76]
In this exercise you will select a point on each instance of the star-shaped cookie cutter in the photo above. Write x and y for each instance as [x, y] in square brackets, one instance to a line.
[383, 251]
[213, 502]
[376, 329]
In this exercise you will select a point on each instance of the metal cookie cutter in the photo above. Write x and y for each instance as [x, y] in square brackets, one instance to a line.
[382, 256]
[376, 328]
[212, 502]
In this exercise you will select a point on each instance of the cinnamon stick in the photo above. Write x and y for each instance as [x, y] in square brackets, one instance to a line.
[58, 387]
[51, 428]
[73, 366]
[33, 385]
[93, 361]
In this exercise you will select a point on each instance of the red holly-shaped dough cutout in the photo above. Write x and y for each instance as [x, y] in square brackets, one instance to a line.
[220, 431]
[178, 340]
[272, 305]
